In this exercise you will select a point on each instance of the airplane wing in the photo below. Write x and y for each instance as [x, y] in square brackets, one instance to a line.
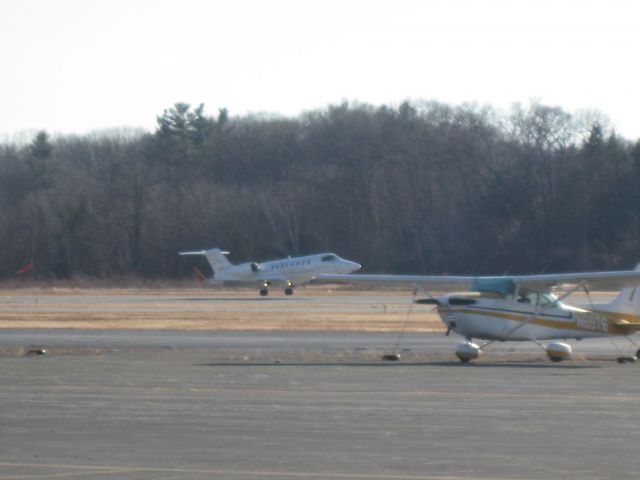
[600, 281]
[428, 282]
[273, 277]
[596, 281]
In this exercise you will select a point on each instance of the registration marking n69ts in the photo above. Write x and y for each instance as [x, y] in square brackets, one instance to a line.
[592, 321]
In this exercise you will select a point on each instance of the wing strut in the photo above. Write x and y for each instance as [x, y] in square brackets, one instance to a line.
[394, 355]
[586, 290]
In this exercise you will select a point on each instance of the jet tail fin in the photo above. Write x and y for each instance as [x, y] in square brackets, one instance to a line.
[215, 257]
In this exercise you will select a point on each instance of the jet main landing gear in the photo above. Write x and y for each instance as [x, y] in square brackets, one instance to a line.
[264, 291]
[289, 289]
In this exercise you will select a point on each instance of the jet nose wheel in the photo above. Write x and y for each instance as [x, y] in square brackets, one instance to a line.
[264, 292]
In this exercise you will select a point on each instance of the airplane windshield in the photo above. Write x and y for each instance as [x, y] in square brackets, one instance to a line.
[503, 287]
[329, 258]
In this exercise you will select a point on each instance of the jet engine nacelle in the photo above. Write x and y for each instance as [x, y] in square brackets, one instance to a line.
[558, 351]
[467, 351]
[255, 268]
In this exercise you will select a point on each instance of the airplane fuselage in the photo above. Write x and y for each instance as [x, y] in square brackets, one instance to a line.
[295, 270]
[500, 319]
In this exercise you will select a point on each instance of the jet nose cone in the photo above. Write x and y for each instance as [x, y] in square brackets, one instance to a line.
[354, 266]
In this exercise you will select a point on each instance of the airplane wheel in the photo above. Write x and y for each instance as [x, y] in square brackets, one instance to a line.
[264, 292]
[638, 353]
[465, 360]
[288, 291]
[626, 359]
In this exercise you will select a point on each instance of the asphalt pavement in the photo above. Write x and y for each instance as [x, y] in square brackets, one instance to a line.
[252, 405]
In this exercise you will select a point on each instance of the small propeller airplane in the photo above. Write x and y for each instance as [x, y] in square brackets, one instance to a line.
[524, 308]
[288, 271]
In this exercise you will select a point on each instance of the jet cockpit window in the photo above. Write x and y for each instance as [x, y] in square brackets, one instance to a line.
[329, 258]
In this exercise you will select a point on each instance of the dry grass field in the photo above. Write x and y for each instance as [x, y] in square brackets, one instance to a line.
[312, 308]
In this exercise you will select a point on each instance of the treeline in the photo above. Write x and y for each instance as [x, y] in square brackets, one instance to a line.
[421, 188]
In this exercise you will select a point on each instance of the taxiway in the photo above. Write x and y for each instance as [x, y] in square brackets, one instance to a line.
[149, 405]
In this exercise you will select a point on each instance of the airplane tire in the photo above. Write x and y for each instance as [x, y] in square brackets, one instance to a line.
[288, 291]
[626, 359]
[392, 357]
[264, 292]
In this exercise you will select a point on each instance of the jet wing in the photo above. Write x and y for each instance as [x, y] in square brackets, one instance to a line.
[274, 277]
[595, 281]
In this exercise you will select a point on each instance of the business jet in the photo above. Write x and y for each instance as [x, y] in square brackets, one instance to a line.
[524, 308]
[289, 271]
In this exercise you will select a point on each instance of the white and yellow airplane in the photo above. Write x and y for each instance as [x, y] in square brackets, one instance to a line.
[524, 308]
[288, 271]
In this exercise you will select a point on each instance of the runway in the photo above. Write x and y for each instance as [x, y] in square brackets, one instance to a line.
[310, 309]
[277, 405]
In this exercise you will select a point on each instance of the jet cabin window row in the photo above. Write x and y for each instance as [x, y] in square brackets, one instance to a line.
[290, 264]
[326, 258]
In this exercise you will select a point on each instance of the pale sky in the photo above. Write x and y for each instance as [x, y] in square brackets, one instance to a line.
[74, 66]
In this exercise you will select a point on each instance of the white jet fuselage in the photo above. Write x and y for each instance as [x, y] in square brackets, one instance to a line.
[296, 270]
